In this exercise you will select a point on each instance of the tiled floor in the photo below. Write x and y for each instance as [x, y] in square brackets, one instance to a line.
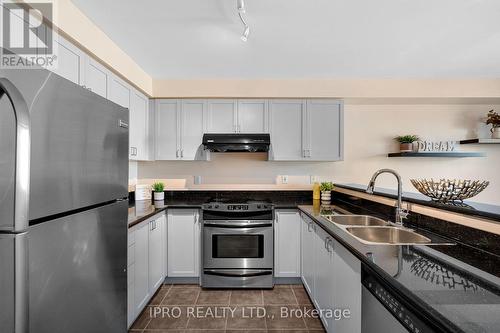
[189, 309]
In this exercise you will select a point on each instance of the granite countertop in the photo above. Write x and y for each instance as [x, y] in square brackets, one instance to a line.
[467, 207]
[434, 278]
[141, 210]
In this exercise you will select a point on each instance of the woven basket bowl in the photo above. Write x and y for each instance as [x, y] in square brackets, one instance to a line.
[447, 190]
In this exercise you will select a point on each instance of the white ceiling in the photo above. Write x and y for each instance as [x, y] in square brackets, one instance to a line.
[199, 39]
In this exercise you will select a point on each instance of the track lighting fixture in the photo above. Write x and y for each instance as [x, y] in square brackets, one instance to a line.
[241, 12]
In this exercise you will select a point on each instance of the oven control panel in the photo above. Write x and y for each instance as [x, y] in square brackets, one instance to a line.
[238, 207]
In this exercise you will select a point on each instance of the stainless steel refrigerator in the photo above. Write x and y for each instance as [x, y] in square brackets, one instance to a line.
[63, 207]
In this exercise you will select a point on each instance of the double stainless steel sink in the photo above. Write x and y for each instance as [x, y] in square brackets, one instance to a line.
[371, 229]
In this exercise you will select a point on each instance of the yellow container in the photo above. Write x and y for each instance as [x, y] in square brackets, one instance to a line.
[316, 192]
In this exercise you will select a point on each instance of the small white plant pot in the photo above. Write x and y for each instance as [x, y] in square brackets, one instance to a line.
[159, 196]
[326, 196]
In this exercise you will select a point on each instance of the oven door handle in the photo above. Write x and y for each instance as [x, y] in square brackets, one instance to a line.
[243, 273]
[236, 226]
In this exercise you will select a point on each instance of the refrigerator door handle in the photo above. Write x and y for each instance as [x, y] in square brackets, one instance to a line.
[22, 176]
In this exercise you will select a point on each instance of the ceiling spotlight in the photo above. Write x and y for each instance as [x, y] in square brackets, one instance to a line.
[241, 12]
[244, 37]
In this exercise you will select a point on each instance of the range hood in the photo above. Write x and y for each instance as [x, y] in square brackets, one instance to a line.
[228, 143]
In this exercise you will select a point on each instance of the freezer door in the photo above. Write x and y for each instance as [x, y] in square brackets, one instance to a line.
[79, 144]
[77, 267]
[14, 158]
[13, 283]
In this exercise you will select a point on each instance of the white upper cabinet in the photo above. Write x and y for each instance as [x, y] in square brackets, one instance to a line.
[167, 131]
[324, 130]
[180, 126]
[97, 77]
[252, 116]
[70, 61]
[183, 243]
[138, 129]
[306, 130]
[192, 129]
[119, 92]
[287, 226]
[286, 123]
[222, 116]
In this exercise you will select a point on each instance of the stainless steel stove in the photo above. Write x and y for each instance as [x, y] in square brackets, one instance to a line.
[238, 244]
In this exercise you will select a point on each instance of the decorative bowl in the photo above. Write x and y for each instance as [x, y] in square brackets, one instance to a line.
[446, 190]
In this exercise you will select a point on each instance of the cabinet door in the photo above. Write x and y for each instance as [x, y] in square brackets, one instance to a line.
[130, 295]
[167, 134]
[307, 254]
[347, 289]
[183, 241]
[119, 91]
[286, 127]
[252, 116]
[192, 128]
[222, 116]
[138, 129]
[70, 61]
[287, 243]
[324, 275]
[97, 77]
[141, 268]
[324, 130]
[156, 252]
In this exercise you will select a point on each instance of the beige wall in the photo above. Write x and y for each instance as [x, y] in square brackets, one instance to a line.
[84, 33]
[348, 89]
[369, 130]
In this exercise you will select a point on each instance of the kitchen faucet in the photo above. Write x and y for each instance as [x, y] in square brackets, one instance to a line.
[400, 212]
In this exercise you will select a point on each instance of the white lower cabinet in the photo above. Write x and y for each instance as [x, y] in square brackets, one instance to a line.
[183, 243]
[332, 277]
[156, 253]
[308, 264]
[146, 260]
[286, 231]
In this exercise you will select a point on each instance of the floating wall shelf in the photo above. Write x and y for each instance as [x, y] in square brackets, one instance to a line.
[439, 154]
[480, 141]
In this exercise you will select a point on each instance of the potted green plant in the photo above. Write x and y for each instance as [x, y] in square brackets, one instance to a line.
[406, 142]
[494, 120]
[326, 191]
[158, 193]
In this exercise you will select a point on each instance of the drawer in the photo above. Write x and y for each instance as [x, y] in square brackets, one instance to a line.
[131, 255]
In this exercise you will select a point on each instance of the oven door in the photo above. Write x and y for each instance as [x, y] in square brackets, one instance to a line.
[240, 246]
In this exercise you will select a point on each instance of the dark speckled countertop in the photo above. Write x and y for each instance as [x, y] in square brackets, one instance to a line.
[141, 210]
[453, 294]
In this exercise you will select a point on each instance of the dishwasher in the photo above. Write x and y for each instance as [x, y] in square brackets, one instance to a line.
[383, 311]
